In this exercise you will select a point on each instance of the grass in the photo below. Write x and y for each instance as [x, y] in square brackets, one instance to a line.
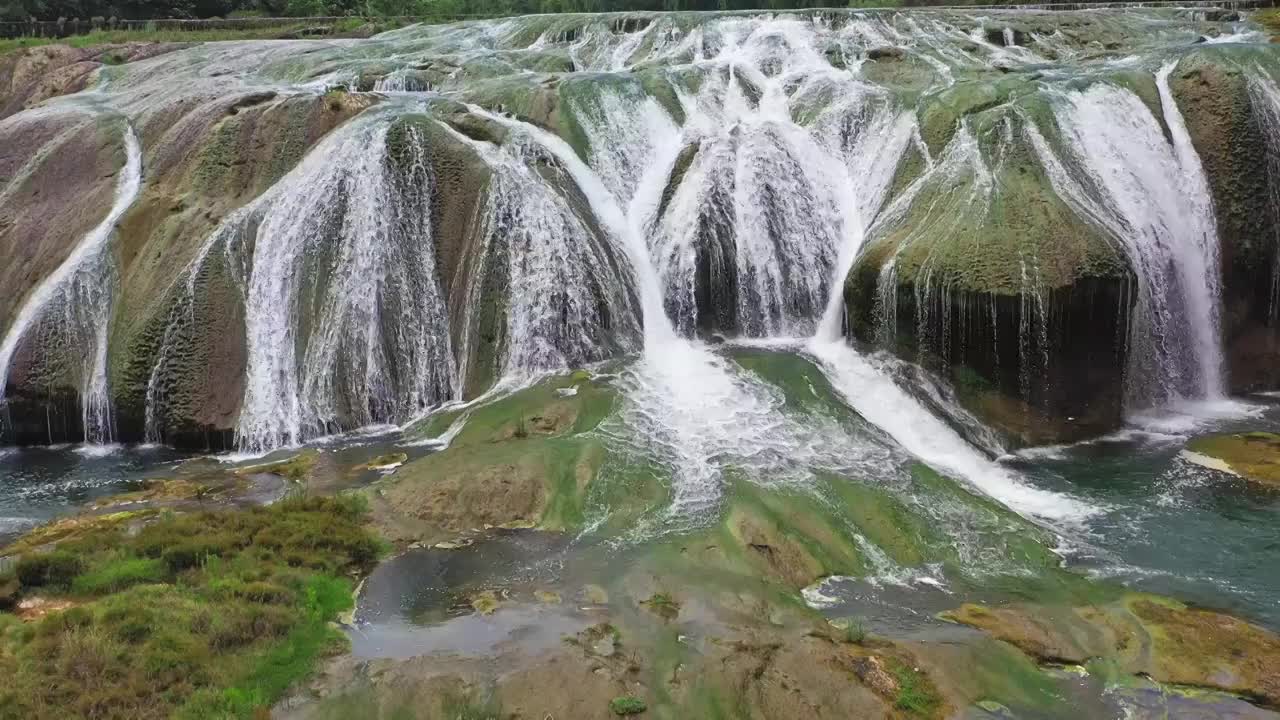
[205, 615]
[627, 705]
[854, 631]
[917, 697]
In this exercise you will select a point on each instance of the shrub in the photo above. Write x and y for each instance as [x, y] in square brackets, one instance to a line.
[54, 569]
[119, 574]
[855, 631]
[627, 705]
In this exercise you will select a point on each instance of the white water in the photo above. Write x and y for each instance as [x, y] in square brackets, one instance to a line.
[82, 290]
[1152, 197]
[567, 304]
[369, 341]
[694, 410]
[1265, 97]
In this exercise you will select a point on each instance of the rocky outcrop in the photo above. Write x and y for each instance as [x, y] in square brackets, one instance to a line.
[247, 142]
[984, 275]
[1143, 635]
[1236, 131]
[244, 142]
[1254, 456]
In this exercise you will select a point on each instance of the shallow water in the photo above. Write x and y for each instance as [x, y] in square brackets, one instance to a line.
[39, 483]
[1171, 526]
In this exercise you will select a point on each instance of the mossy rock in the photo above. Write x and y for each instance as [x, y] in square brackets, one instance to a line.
[526, 458]
[295, 469]
[1254, 456]
[1142, 635]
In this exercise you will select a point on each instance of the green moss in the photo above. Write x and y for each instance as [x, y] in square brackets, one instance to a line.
[916, 696]
[211, 614]
[1253, 455]
[296, 468]
[627, 705]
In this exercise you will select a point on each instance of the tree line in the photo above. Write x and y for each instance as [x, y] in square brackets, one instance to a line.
[52, 10]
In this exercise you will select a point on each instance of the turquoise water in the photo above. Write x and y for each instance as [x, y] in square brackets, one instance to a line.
[1172, 526]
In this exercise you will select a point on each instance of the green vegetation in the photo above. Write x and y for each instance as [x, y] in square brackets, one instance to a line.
[1269, 19]
[296, 468]
[663, 605]
[917, 697]
[209, 614]
[854, 631]
[627, 705]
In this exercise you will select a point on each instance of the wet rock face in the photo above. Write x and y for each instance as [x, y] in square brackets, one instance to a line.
[994, 284]
[1234, 132]
[28, 77]
[242, 143]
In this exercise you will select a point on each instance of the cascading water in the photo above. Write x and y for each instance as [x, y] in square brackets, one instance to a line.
[1151, 196]
[344, 317]
[75, 302]
[746, 156]
[569, 303]
[1265, 96]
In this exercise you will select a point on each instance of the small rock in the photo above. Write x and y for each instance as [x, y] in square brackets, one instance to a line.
[486, 603]
[547, 596]
[871, 671]
[595, 594]
[885, 53]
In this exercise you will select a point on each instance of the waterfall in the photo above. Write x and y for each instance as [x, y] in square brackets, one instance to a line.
[568, 303]
[1265, 97]
[1151, 196]
[344, 318]
[75, 303]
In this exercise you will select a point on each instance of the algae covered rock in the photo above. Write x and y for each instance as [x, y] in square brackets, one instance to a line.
[1231, 105]
[1254, 456]
[980, 272]
[1142, 635]
[523, 460]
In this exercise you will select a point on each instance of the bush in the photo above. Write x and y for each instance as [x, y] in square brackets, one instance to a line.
[627, 705]
[119, 574]
[54, 569]
[248, 615]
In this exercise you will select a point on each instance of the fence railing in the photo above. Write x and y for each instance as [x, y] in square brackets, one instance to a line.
[75, 26]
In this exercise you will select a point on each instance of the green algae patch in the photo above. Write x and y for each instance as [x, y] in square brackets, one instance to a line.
[208, 614]
[295, 469]
[528, 458]
[627, 705]
[1141, 635]
[1253, 455]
